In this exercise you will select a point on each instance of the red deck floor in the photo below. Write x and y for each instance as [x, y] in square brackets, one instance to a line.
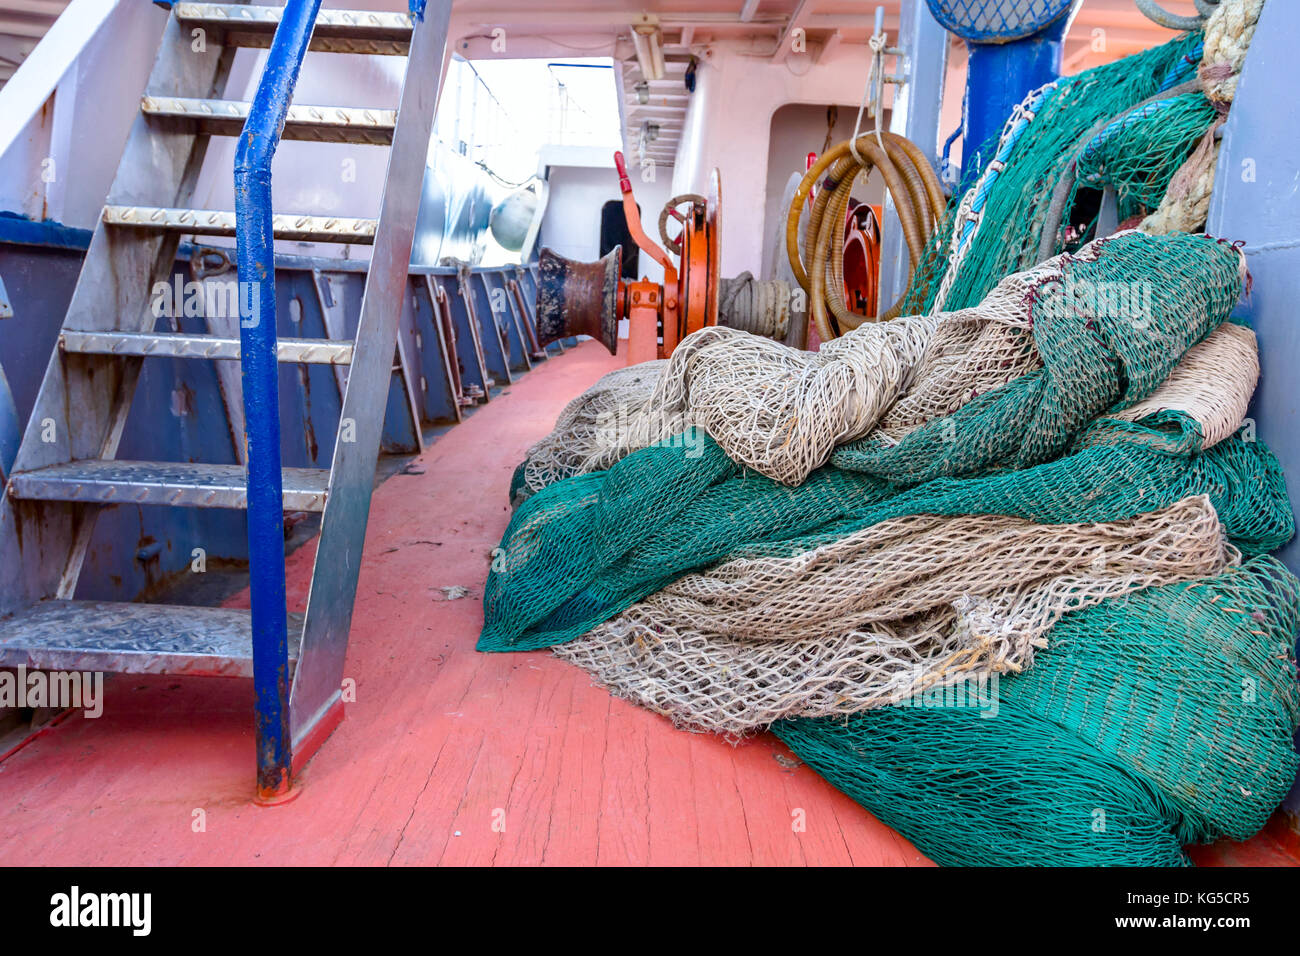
[448, 755]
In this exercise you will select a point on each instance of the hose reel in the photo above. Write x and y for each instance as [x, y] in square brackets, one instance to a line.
[917, 196]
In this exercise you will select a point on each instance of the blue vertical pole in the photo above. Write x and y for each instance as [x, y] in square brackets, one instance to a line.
[260, 372]
[915, 115]
[999, 76]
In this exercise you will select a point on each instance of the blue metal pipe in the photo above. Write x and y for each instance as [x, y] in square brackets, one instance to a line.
[260, 374]
[999, 76]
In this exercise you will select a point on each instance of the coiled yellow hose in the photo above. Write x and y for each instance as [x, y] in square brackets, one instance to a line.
[917, 196]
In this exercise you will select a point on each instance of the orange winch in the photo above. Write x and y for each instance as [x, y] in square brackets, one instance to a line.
[589, 298]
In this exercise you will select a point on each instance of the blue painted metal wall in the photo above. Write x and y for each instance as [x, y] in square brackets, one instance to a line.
[1257, 199]
[179, 411]
[1000, 75]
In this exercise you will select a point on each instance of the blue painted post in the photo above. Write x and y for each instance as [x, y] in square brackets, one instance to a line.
[999, 76]
[260, 372]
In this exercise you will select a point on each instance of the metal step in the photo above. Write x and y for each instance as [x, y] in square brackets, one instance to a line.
[209, 222]
[337, 31]
[180, 484]
[177, 345]
[123, 638]
[320, 124]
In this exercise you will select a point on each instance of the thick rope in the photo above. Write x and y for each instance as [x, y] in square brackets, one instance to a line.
[1186, 203]
[755, 306]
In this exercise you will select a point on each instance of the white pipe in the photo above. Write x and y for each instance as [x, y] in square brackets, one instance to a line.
[649, 52]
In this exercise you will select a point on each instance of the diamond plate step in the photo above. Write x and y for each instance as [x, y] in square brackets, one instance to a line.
[337, 31]
[175, 345]
[319, 124]
[134, 639]
[210, 222]
[181, 484]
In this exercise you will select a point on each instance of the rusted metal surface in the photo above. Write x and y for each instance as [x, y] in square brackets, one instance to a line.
[446, 327]
[525, 319]
[579, 298]
[587, 298]
[492, 340]
[513, 336]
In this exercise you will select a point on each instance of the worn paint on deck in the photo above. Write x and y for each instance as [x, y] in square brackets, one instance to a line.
[447, 755]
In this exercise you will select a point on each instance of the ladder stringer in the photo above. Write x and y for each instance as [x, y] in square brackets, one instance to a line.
[315, 695]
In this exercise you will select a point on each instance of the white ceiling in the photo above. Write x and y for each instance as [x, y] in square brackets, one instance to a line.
[685, 23]
[693, 23]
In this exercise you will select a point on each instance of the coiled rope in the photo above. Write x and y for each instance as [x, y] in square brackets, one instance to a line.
[760, 307]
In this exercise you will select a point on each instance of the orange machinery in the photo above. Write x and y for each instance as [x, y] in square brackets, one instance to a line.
[589, 298]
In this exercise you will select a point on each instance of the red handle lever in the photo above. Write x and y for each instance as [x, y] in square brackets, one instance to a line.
[624, 183]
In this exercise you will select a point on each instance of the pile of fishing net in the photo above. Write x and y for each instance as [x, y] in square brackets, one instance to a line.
[1048, 492]
[1157, 720]
[882, 614]
[726, 600]
[587, 547]
[1068, 338]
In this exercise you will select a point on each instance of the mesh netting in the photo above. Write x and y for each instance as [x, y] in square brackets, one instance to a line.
[1213, 383]
[882, 614]
[1016, 206]
[747, 532]
[1223, 653]
[1138, 153]
[1108, 331]
[996, 19]
[587, 434]
[1071, 763]
[1046, 351]
[583, 550]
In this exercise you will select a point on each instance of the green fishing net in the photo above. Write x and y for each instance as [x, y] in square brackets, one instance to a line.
[1017, 205]
[1150, 722]
[584, 549]
[1108, 331]
[1139, 153]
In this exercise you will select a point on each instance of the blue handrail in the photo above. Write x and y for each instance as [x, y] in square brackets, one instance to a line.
[260, 373]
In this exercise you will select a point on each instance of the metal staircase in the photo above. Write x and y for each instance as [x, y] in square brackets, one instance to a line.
[66, 469]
